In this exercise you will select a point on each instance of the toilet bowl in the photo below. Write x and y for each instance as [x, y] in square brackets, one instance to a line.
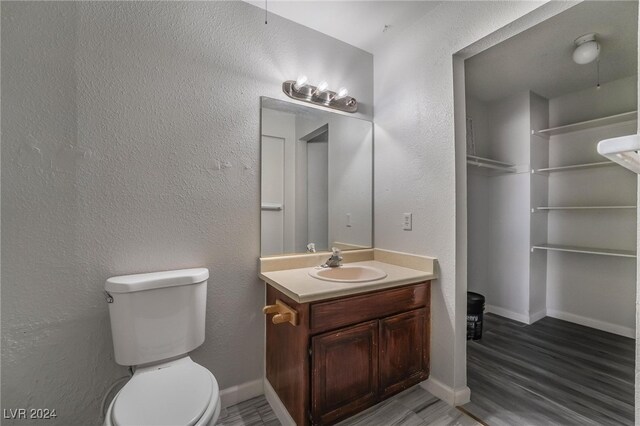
[176, 393]
[156, 320]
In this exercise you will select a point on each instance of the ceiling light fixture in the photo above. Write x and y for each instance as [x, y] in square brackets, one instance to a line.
[320, 95]
[587, 49]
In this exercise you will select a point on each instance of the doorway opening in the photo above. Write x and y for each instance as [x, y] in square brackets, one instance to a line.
[551, 225]
[317, 147]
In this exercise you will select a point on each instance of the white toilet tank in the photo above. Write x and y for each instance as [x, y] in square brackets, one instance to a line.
[157, 316]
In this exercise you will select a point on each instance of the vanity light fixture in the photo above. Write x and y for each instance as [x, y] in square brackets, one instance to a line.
[319, 95]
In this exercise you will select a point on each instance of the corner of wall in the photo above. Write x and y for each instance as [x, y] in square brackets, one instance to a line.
[451, 396]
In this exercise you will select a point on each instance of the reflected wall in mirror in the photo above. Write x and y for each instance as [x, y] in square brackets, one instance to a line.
[317, 180]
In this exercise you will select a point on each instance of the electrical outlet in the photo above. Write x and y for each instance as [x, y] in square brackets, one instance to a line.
[407, 221]
[348, 220]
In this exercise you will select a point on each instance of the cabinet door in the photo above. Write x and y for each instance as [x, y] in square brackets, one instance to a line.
[404, 351]
[344, 375]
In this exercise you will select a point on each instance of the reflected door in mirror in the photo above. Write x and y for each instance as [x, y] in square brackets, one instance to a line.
[272, 215]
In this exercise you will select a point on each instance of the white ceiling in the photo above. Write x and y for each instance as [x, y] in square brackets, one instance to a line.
[359, 23]
[539, 59]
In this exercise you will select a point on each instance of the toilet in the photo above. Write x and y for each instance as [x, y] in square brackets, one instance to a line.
[156, 320]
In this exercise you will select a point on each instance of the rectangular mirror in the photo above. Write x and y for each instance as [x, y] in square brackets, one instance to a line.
[317, 179]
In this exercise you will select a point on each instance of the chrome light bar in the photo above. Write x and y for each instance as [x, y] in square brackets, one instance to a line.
[320, 96]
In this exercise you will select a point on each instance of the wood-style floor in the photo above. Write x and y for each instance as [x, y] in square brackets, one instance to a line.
[413, 407]
[552, 372]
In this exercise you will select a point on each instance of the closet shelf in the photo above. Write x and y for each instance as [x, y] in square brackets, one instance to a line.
[586, 250]
[588, 124]
[575, 167]
[489, 163]
[547, 208]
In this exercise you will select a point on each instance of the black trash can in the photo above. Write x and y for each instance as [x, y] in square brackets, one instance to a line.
[475, 312]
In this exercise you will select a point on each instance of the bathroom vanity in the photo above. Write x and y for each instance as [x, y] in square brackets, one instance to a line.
[348, 346]
[338, 339]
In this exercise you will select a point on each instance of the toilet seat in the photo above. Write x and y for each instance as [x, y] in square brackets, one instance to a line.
[175, 393]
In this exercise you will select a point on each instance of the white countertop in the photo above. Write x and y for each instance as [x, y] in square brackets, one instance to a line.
[303, 288]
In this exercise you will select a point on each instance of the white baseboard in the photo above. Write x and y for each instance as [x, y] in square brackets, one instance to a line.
[537, 316]
[588, 322]
[277, 406]
[236, 394]
[593, 323]
[449, 395]
[507, 313]
[527, 319]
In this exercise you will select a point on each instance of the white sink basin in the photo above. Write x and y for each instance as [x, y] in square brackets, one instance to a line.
[348, 273]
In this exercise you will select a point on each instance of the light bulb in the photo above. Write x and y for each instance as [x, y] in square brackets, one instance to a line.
[322, 86]
[342, 93]
[300, 82]
[587, 52]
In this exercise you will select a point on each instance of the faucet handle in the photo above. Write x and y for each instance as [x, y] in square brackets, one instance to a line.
[336, 251]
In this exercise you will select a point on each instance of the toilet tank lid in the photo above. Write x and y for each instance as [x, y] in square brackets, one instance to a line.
[140, 282]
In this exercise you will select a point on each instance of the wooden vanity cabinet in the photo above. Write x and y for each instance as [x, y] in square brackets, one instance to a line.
[347, 354]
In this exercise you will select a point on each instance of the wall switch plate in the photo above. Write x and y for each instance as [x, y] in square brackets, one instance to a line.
[407, 221]
[348, 220]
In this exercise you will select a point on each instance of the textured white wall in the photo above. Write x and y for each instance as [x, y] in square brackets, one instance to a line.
[130, 143]
[415, 152]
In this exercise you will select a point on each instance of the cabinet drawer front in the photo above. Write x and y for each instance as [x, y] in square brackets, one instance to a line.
[352, 310]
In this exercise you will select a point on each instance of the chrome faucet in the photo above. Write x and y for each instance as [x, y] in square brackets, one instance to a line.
[335, 260]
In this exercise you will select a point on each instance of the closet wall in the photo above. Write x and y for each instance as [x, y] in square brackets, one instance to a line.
[508, 271]
[477, 199]
[508, 210]
[593, 290]
[498, 203]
